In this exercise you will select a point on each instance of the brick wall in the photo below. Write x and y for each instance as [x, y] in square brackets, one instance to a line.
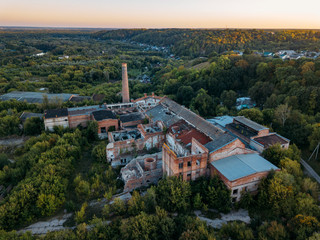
[75, 121]
[248, 183]
[263, 132]
[235, 147]
[189, 167]
[132, 123]
[108, 123]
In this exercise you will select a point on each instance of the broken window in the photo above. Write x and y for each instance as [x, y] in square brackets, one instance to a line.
[180, 165]
[189, 164]
[198, 162]
[188, 176]
[235, 191]
[103, 130]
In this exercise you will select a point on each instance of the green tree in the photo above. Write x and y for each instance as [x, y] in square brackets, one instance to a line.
[92, 131]
[118, 207]
[282, 113]
[272, 231]
[136, 204]
[80, 215]
[140, 227]
[33, 126]
[99, 153]
[174, 194]
[303, 227]
[203, 103]
[185, 95]
[253, 114]
[229, 98]
[236, 231]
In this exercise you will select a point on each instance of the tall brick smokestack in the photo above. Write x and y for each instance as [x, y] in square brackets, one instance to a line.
[125, 84]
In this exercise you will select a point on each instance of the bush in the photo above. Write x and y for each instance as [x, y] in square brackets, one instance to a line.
[3, 160]
[33, 126]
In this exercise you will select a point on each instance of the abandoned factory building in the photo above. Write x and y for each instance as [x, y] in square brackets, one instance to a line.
[153, 136]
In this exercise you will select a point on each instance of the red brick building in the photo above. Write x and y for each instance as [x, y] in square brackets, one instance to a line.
[241, 172]
[184, 154]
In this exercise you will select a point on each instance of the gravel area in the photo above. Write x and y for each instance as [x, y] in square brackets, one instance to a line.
[54, 224]
[241, 215]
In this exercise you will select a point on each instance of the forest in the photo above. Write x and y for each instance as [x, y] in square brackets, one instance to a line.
[201, 43]
[65, 170]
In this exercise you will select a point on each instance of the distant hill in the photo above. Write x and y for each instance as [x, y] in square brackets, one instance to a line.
[202, 42]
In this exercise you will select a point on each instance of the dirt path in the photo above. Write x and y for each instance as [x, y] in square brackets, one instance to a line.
[54, 224]
[241, 215]
[14, 141]
[310, 170]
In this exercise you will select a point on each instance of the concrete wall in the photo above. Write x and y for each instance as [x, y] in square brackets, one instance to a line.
[257, 146]
[175, 146]
[51, 122]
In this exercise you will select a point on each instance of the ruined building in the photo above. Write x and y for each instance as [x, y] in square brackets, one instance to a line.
[142, 171]
[153, 136]
[124, 144]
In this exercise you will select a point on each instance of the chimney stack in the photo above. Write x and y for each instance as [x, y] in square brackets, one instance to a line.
[125, 84]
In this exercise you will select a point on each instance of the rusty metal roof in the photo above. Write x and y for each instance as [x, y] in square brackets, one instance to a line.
[185, 132]
[271, 139]
[192, 118]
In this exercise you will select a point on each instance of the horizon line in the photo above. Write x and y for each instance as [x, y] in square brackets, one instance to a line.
[150, 28]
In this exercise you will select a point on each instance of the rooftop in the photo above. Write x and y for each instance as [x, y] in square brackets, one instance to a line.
[36, 97]
[251, 124]
[185, 132]
[126, 135]
[103, 114]
[151, 128]
[271, 139]
[25, 115]
[79, 98]
[54, 113]
[161, 113]
[84, 110]
[239, 166]
[130, 117]
[195, 120]
[222, 121]
[219, 143]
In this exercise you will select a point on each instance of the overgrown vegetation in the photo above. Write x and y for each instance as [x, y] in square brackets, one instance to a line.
[67, 169]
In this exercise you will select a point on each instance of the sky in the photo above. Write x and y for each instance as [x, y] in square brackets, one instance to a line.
[302, 14]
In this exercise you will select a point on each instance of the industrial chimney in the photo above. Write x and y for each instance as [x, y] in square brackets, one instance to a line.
[125, 84]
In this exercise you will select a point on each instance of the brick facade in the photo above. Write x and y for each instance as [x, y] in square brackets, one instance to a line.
[246, 184]
[107, 123]
[189, 167]
[235, 147]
